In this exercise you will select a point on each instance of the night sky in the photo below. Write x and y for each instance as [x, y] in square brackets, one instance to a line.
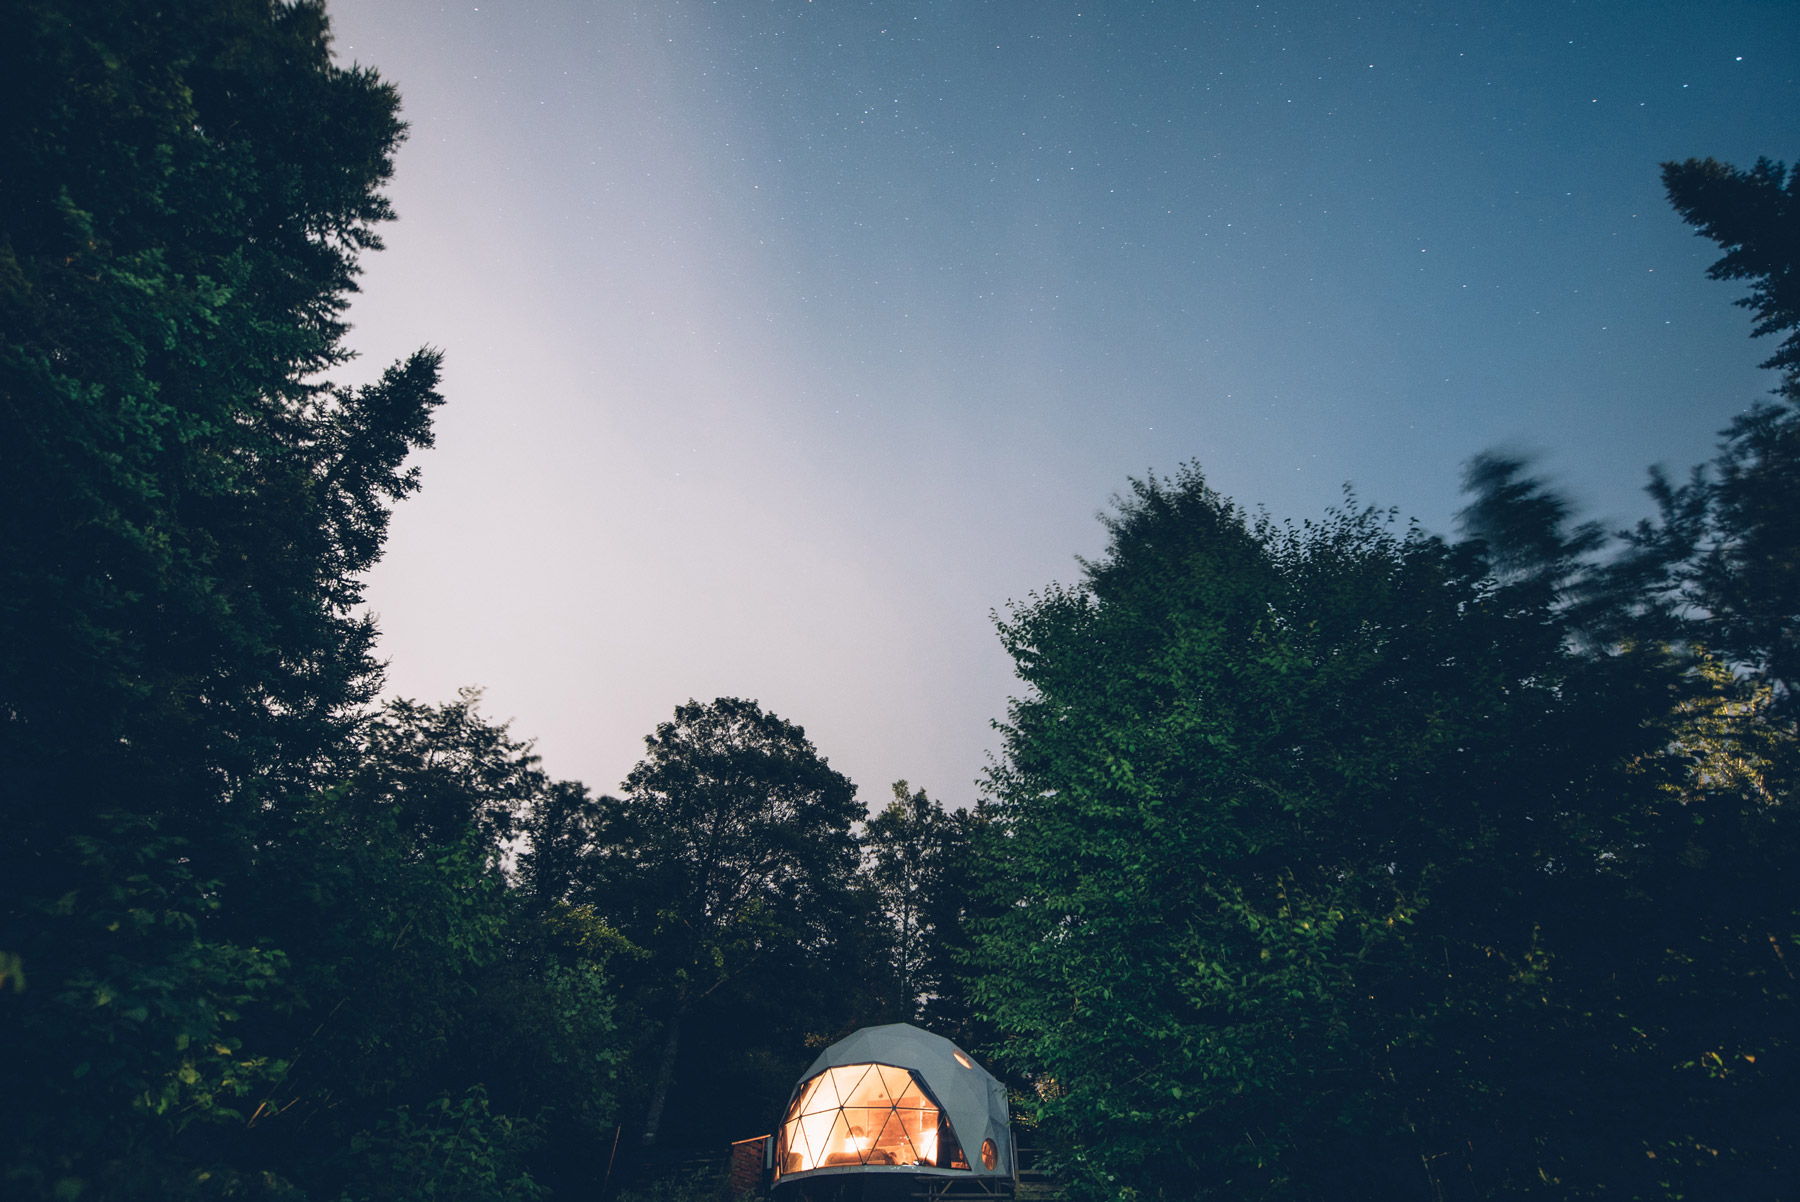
[786, 339]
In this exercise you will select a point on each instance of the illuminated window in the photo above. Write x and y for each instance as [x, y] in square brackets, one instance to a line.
[865, 1114]
[990, 1155]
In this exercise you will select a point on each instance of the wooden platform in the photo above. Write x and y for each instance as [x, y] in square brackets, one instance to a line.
[1035, 1185]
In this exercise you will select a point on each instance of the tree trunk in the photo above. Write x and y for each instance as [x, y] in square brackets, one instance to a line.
[665, 1074]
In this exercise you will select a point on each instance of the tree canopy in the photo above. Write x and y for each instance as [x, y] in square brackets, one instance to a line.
[1340, 860]
[1331, 859]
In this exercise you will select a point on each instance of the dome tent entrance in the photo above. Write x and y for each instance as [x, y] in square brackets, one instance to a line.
[888, 1110]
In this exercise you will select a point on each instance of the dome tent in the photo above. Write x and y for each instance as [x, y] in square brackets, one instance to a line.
[893, 1111]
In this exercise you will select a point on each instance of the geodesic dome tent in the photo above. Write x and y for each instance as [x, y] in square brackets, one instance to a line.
[899, 1103]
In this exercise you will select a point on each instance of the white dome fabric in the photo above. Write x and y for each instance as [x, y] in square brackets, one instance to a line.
[972, 1098]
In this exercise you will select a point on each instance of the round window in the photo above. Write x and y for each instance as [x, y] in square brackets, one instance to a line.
[990, 1156]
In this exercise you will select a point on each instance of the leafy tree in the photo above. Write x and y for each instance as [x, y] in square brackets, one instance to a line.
[1333, 862]
[451, 1150]
[905, 849]
[920, 862]
[261, 942]
[430, 1003]
[563, 854]
[730, 859]
[185, 511]
[1288, 820]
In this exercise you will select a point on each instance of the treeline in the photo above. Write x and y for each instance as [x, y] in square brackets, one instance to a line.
[1322, 860]
[262, 938]
[1347, 861]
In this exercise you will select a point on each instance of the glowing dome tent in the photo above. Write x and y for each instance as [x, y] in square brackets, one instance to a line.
[888, 1110]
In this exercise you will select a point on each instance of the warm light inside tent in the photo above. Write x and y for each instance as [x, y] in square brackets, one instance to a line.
[863, 1114]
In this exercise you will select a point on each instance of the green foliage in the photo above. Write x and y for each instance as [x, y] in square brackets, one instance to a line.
[905, 848]
[696, 1186]
[731, 862]
[450, 1149]
[186, 508]
[734, 836]
[143, 1038]
[424, 975]
[1321, 842]
[918, 859]
[259, 942]
[1335, 862]
[1754, 216]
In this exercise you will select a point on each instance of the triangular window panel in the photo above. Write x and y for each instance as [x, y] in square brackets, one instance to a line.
[840, 1148]
[892, 1146]
[865, 1124]
[816, 1128]
[849, 1081]
[868, 1090]
[795, 1138]
[894, 1080]
[949, 1151]
[823, 1094]
[911, 1098]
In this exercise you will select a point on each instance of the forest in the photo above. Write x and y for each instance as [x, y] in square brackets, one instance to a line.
[1328, 859]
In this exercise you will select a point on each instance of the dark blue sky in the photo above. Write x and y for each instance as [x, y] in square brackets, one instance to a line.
[787, 338]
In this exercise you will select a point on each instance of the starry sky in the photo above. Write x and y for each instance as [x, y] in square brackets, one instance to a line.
[788, 339]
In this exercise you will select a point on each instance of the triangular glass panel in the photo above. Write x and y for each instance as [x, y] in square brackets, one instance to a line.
[911, 1098]
[865, 1124]
[926, 1141]
[795, 1136]
[892, 1146]
[822, 1096]
[848, 1080]
[894, 1080]
[839, 1147]
[816, 1130]
[868, 1091]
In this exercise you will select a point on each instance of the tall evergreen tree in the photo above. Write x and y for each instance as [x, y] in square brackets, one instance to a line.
[1721, 565]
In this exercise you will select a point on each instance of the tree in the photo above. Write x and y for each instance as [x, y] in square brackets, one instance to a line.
[1341, 863]
[1755, 216]
[435, 1005]
[904, 850]
[1721, 565]
[269, 941]
[730, 853]
[186, 508]
[1287, 819]
[919, 860]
